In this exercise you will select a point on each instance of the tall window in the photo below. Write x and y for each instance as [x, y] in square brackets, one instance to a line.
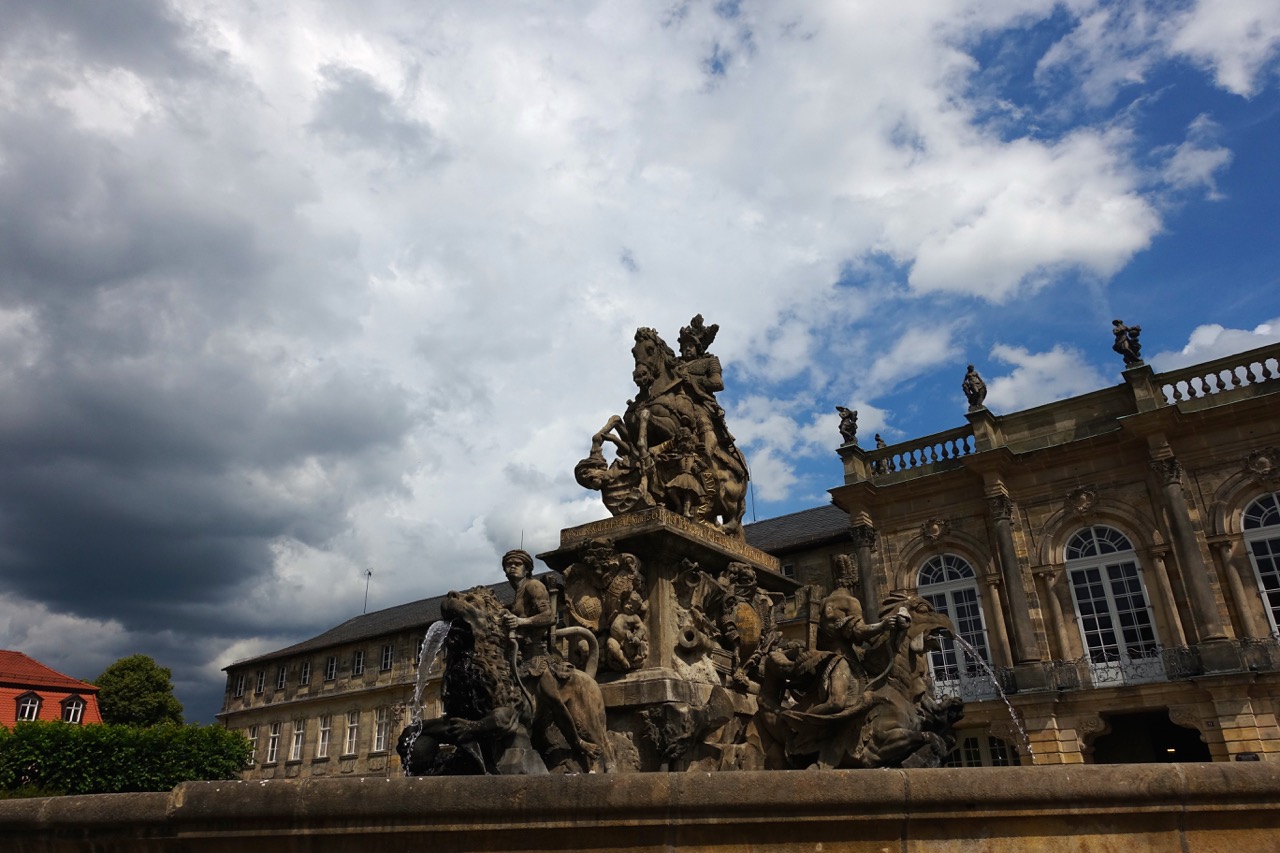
[282, 677]
[322, 742]
[382, 725]
[29, 707]
[331, 668]
[262, 681]
[299, 738]
[273, 744]
[252, 735]
[948, 583]
[387, 656]
[304, 674]
[357, 663]
[239, 691]
[1115, 619]
[977, 750]
[1262, 538]
[353, 733]
[73, 710]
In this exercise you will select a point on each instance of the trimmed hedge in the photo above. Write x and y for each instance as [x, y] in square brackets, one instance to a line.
[106, 759]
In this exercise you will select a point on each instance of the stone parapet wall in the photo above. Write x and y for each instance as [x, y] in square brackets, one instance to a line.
[1186, 807]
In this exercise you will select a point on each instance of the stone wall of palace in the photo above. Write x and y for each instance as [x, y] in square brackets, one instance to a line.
[1134, 808]
[1170, 462]
[376, 697]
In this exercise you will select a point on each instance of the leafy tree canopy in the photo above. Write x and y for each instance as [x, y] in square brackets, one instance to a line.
[137, 691]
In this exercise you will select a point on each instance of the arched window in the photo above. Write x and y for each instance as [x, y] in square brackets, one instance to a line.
[1116, 623]
[948, 583]
[73, 710]
[1262, 538]
[28, 707]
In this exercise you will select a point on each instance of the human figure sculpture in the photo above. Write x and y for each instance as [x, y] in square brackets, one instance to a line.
[1126, 342]
[546, 677]
[702, 476]
[975, 390]
[848, 425]
[628, 644]
[862, 698]
[701, 372]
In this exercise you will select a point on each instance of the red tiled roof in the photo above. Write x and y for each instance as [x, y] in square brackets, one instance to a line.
[21, 675]
[18, 670]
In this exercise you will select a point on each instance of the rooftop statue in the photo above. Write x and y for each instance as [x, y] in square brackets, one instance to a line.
[975, 390]
[848, 424]
[673, 448]
[1127, 343]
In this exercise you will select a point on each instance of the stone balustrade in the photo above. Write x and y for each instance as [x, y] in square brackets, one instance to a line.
[1224, 374]
[921, 455]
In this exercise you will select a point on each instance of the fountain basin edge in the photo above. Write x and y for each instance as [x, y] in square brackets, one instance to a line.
[1157, 807]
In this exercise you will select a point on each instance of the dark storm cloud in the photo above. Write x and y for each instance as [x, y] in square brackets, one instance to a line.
[146, 36]
[174, 403]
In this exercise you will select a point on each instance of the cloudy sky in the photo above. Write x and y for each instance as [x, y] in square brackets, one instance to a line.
[289, 291]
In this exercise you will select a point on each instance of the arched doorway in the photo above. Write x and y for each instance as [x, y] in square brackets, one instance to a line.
[1148, 737]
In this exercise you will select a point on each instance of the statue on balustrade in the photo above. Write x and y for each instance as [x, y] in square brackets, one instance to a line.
[672, 446]
[975, 390]
[848, 425]
[1126, 342]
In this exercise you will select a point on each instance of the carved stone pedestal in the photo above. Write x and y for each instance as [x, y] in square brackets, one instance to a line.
[685, 690]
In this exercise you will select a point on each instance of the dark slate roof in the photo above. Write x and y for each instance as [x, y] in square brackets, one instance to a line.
[403, 617]
[806, 528]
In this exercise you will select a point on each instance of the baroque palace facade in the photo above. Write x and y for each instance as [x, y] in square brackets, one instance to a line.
[1111, 560]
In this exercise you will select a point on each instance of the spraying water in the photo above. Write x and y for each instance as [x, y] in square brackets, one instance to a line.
[973, 653]
[426, 659]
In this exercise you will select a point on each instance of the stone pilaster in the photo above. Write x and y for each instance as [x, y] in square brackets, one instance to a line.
[1195, 574]
[1000, 508]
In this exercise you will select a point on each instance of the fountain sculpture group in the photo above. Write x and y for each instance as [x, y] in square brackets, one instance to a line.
[656, 647]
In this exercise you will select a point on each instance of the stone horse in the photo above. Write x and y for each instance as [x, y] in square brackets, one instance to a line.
[827, 709]
[665, 437]
[492, 723]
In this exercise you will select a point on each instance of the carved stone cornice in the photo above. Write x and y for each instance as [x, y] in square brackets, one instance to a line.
[935, 529]
[1082, 500]
[1000, 507]
[1168, 470]
[864, 536]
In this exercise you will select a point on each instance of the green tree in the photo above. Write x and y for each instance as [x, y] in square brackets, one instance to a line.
[137, 691]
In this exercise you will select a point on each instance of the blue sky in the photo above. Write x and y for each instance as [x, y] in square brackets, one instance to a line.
[292, 292]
